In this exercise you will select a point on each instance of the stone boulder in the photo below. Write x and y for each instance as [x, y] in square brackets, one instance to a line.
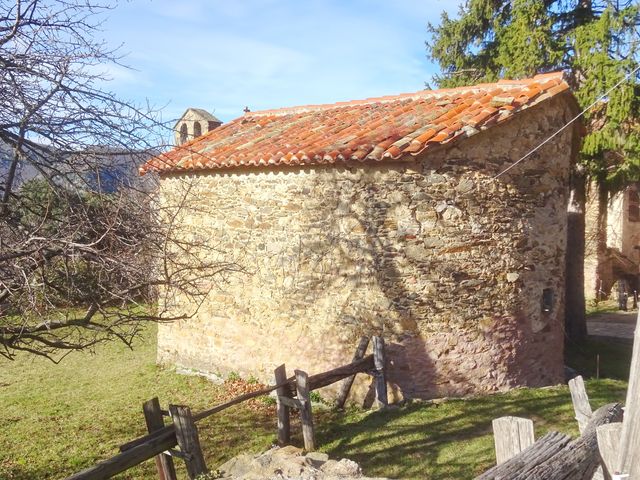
[288, 463]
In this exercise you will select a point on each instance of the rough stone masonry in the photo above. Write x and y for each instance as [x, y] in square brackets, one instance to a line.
[462, 274]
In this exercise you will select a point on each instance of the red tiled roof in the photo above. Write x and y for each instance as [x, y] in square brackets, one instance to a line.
[371, 130]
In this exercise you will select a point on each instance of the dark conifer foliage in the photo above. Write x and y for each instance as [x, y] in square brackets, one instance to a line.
[596, 43]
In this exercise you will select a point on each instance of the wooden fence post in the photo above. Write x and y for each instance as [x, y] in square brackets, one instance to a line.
[306, 417]
[155, 422]
[629, 453]
[188, 441]
[380, 376]
[284, 411]
[608, 437]
[348, 382]
[511, 435]
[583, 411]
[580, 401]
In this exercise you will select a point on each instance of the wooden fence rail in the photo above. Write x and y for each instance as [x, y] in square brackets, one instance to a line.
[608, 446]
[161, 439]
[555, 456]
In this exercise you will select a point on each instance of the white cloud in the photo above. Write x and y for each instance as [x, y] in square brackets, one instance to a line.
[224, 55]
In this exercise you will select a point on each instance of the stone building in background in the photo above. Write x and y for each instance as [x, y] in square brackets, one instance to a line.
[617, 259]
[383, 216]
[194, 123]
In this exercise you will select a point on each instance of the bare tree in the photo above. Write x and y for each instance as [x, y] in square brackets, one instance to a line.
[85, 247]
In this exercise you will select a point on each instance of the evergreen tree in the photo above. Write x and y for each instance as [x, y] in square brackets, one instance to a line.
[597, 44]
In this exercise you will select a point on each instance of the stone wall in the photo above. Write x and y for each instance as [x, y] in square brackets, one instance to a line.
[622, 234]
[591, 257]
[448, 264]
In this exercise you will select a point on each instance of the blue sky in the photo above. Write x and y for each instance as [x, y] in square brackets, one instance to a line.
[222, 55]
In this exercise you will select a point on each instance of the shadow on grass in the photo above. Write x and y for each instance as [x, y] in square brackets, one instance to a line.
[225, 436]
[447, 440]
[451, 439]
[222, 436]
[606, 358]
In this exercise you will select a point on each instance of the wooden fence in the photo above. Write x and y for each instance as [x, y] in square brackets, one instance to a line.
[292, 393]
[608, 447]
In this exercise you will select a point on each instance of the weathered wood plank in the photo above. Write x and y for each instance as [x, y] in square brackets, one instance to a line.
[511, 435]
[133, 456]
[599, 474]
[541, 451]
[580, 459]
[629, 454]
[188, 441]
[320, 380]
[283, 412]
[291, 402]
[306, 417]
[380, 374]
[155, 422]
[608, 437]
[556, 457]
[345, 388]
[580, 400]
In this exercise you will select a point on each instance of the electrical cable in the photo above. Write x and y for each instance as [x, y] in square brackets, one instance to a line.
[533, 150]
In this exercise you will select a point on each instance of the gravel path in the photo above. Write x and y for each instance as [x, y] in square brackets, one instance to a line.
[612, 324]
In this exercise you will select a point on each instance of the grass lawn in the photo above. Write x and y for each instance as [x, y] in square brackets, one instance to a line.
[603, 306]
[58, 419]
[614, 357]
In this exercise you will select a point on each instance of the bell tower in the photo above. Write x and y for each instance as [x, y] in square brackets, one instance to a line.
[193, 123]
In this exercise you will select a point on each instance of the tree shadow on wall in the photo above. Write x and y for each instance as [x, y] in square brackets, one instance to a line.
[361, 260]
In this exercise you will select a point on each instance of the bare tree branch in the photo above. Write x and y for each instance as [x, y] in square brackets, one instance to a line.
[86, 247]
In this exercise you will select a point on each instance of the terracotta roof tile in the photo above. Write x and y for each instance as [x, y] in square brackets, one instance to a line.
[377, 129]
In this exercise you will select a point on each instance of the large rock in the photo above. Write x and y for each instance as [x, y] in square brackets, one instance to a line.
[289, 463]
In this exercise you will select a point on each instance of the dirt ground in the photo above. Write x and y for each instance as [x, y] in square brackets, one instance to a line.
[619, 324]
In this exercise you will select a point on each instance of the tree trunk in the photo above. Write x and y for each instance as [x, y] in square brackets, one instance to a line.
[574, 318]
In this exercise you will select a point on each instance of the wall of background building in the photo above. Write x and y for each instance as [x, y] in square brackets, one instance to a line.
[622, 235]
[193, 123]
[591, 257]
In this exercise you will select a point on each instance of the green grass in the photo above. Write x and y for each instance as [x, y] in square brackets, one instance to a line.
[603, 306]
[613, 355]
[452, 439]
[58, 419]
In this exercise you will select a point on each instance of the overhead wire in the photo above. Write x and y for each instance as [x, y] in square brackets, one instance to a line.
[561, 129]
